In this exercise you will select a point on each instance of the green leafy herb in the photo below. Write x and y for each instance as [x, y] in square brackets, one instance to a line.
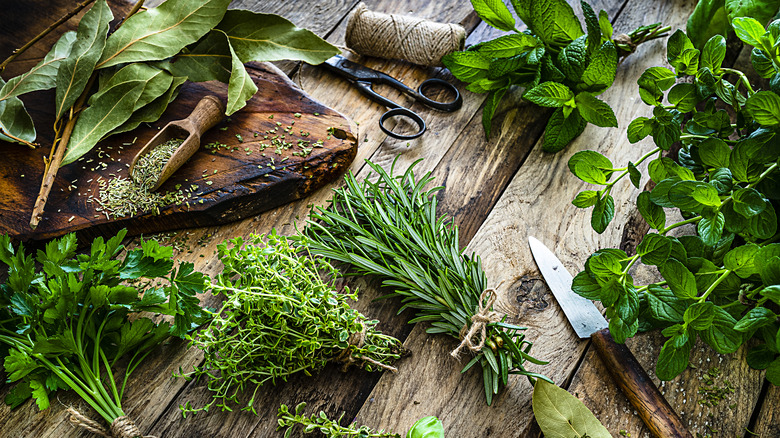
[279, 318]
[721, 284]
[426, 427]
[558, 64]
[65, 316]
[714, 17]
[562, 415]
[324, 425]
[390, 229]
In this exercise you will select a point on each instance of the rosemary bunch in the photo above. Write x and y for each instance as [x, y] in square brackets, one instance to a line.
[390, 229]
[280, 318]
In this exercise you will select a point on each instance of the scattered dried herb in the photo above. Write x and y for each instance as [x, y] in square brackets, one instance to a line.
[280, 318]
[122, 197]
[149, 167]
[64, 317]
[390, 229]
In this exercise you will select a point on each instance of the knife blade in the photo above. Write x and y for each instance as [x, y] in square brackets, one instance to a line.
[625, 370]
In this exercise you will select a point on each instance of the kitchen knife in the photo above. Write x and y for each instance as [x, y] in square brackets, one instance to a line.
[587, 321]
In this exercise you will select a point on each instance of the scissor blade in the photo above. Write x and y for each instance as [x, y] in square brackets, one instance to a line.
[582, 314]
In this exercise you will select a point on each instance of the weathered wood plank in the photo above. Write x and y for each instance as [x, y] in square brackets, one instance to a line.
[768, 420]
[525, 208]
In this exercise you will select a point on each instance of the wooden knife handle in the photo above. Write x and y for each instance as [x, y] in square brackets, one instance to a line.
[632, 379]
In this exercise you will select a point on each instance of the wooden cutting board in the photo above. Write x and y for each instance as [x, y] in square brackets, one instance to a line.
[244, 176]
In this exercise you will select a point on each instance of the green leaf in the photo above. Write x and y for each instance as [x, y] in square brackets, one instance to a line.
[593, 159]
[654, 249]
[672, 360]
[652, 213]
[684, 97]
[18, 364]
[427, 427]
[40, 394]
[74, 71]
[269, 37]
[680, 280]
[155, 82]
[762, 64]
[562, 130]
[153, 110]
[699, 316]
[761, 10]
[602, 215]
[640, 128]
[714, 152]
[681, 54]
[595, 111]
[756, 318]
[764, 107]
[711, 228]
[561, 415]
[105, 114]
[586, 286]
[467, 66]
[600, 73]
[605, 25]
[162, 32]
[708, 19]
[721, 335]
[491, 104]
[748, 202]
[554, 22]
[550, 94]
[494, 13]
[573, 59]
[714, 53]
[664, 305]
[131, 335]
[586, 198]
[773, 372]
[507, 46]
[634, 174]
[18, 395]
[15, 120]
[742, 260]
[44, 75]
[241, 87]
[764, 224]
[749, 30]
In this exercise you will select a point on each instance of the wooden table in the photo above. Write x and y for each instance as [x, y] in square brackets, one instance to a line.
[498, 191]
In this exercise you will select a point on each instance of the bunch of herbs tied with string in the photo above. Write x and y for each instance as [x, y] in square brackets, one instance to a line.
[67, 320]
[280, 318]
[558, 64]
[108, 83]
[722, 284]
[389, 229]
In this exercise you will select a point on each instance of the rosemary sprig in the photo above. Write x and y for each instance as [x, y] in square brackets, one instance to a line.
[390, 229]
[280, 318]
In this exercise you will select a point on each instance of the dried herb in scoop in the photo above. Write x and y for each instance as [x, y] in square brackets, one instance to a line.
[389, 229]
[280, 318]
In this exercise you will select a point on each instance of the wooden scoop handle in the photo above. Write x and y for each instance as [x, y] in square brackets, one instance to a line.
[207, 113]
[632, 379]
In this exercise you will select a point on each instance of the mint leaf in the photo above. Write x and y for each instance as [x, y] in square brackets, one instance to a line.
[672, 360]
[714, 53]
[584, 285]
[721, 335]
[573, 59]
[595, 111]
[494, 13]
[554, 22]
[699, 316]
[750, 31]
[764, 224]
[507, 46]
[742, 260]
[602, 215]
[467, 66]
[680, 280]
[683, 96]
[640, 128]
[634, 174]
[764, 107]
[711, 228]
[664, 305]
[586, 198]
[491, 104]
[714, 152]
[709, 19]
[600, 73]
[654, 249]
[550, 94]
[652, 213]
[756, 318]
[748, 202]
[592, 25]
[562, 130]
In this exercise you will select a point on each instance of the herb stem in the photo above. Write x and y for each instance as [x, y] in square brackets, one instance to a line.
[625, 169]
[714, 285]
[679, 224]
[741, 76]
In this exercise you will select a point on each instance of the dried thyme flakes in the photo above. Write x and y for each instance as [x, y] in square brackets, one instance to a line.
[120, 197]
[149, 167]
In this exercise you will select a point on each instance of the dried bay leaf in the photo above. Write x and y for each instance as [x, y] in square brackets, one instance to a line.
[44, 75]
[268, 37]
[161, 32]
[155, 81]
[15, 120]
[562, 415]
[75, 71]
[153, 110]
[110, 111]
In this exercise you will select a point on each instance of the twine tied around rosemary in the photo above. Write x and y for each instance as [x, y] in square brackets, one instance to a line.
[479, 322]
[357, 340]
[122, 427]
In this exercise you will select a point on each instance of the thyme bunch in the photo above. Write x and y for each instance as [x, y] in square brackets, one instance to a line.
[321, 423]
[279, 318]
[390, 229]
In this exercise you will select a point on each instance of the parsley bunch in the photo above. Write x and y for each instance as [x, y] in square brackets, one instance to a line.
[64, 317]
[558, 64]
[280, 318]
[390, 229]
[722, 284]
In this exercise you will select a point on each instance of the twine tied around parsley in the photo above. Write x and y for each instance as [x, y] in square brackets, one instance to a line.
[479, 321]
[357, 340]
[121, 427]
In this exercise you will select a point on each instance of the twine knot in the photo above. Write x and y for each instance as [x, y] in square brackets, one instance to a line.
[357, 340]
[479, 322]
[412, 39]
[121, 427]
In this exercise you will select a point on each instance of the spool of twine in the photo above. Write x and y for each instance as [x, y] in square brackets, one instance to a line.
[412, 39]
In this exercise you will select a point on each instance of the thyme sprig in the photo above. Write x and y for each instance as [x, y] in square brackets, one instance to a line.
[390, 229]
[321, 423]
[280, 318]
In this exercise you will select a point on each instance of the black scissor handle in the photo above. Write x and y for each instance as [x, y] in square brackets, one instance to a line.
[402, 112]
[450, 106]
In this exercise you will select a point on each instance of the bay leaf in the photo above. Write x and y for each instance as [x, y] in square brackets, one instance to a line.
[269, 37]
[15, 120]
[161, 32]
[74, 71]
[152, 111]
[44, 75]
[155, 82]
[105, 114]
[241, 86]
[562, 415]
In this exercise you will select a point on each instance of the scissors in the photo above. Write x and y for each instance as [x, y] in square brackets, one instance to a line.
[363, 77]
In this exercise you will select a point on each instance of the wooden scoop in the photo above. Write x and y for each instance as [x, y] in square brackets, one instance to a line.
[207, 113]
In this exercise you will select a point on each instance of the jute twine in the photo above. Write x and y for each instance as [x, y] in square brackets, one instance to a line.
[122, 427]
[412, 39]
[357, 340]
[479, 322]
